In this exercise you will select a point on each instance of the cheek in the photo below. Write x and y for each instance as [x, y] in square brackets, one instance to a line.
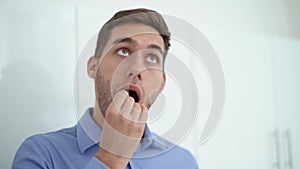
[113, 71]
[152, 85]
[154, 79]
[107, 69]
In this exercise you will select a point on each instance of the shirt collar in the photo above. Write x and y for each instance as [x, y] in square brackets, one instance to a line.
[88, 133]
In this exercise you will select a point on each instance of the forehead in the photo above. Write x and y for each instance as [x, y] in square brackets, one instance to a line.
[139, 32]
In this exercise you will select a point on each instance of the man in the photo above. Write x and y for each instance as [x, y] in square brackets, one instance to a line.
[128, 70]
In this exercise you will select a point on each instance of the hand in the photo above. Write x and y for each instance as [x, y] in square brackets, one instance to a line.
[122, 130]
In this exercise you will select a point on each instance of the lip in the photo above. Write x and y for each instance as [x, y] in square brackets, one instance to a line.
[135, 88]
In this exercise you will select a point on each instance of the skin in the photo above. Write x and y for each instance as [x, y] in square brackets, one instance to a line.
[132, 56]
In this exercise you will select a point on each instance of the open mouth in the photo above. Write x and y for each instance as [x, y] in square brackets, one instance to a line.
[134, 92]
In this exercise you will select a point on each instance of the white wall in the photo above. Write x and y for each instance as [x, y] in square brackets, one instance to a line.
[39, 42]
[37, 64]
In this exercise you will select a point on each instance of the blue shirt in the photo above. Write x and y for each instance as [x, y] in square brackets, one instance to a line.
[75, 148]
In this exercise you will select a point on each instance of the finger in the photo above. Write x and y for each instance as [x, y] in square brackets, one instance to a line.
[144, 114]
[119, 99]
[135, 113]
[127, 107]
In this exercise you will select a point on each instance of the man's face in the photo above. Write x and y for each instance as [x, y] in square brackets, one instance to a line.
[132, 60]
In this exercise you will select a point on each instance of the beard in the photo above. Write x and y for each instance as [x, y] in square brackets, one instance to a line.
[103, 92]
[104, 96]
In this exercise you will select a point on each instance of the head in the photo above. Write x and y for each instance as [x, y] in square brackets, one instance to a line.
[141, 16]
[130, 55]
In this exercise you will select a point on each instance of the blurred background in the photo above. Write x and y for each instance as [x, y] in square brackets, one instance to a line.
[257, 42]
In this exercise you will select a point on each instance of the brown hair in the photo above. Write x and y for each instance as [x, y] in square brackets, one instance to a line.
[140, 15]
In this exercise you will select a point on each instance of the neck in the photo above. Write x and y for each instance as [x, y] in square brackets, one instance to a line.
[98, 116]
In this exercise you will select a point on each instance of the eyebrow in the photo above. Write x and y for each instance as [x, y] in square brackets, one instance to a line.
[130, 40]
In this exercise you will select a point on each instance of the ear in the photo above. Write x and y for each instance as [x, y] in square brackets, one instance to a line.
[164, 82]
[92, 67]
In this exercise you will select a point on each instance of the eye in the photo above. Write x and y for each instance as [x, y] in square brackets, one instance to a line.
[152, 59]
[123, 52]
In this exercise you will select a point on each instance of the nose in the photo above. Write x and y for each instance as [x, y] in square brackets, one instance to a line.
[136, 66]
[138, 76]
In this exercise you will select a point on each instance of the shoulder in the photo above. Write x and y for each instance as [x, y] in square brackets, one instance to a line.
[42, 143]
[52, 136]
[37, 151]
[166, 144]
[175, 151]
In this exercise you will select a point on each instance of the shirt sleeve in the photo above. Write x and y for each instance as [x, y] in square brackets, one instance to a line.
[30, 155]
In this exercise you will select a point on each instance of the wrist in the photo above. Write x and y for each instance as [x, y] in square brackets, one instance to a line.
[113, 161]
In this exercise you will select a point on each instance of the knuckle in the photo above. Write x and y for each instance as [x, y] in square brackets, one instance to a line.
[137, 107]
[130, 100]
[124, 120]
[112, 111]
[145, 115]
[122, 94]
